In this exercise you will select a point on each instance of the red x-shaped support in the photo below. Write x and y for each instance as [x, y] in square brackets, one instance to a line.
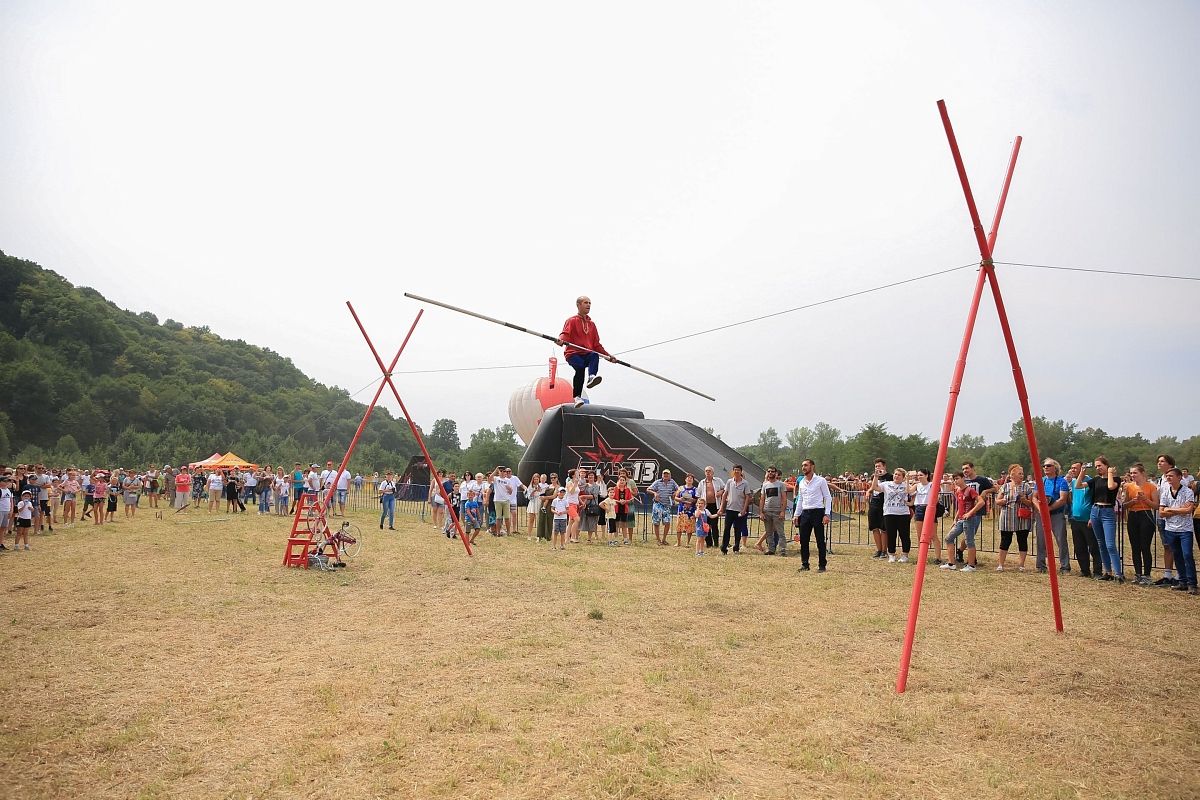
[987, 272]
[323, 504]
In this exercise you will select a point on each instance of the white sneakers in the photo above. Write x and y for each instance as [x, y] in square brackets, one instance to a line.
[1000, 568]
[903, 559]
[891, 559]
[968, 568]
[594, 381]
[578, 402]
[948, 565]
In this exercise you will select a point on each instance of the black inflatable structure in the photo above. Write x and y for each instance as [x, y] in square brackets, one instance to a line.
[607, 439]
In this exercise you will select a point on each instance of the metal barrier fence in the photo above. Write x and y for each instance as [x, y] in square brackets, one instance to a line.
[847, 528]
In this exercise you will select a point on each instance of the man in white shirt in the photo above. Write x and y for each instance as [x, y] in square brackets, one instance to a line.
[709, 495]
[1176, 508]
[502, 502]
[813, 506]
[1165, 463]
[312, 481]
[327, 477]
[343, 488]
[514, 488]
[736, 507]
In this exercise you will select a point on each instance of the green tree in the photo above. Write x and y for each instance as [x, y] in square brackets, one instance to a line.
[871, 442]
[444, 437]
[769, 445]
[826, 449]
[492, 447]
[801, 440]
[67, 447]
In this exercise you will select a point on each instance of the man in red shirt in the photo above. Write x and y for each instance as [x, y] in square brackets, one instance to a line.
[580, 330]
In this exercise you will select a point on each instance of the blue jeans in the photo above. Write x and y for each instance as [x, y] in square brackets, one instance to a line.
[389, 510]
[583, 362]
[281, 504]
[969, 527]
[264, 501]
[1104, 526]
[1180, 543]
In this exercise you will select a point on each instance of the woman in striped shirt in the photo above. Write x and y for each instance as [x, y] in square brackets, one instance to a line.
[1017, 504]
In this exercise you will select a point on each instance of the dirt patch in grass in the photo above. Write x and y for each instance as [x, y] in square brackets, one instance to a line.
[156, 659]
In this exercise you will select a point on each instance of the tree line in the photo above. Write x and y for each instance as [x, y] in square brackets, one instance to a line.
[835, 453]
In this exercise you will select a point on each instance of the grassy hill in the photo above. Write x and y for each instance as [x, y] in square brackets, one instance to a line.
[86, 381]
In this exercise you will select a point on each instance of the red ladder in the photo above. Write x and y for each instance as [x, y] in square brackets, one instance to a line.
[301, 542]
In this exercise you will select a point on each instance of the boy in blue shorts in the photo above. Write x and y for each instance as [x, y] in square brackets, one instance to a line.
[472, 518]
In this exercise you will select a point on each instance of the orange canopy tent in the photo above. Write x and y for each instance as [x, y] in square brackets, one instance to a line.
[214, 458]
[232, 460]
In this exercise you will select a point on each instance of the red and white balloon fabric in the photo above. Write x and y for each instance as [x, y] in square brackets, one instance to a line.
[529, 404]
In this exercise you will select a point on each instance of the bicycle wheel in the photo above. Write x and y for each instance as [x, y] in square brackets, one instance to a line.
[351, 541]
[316, 524]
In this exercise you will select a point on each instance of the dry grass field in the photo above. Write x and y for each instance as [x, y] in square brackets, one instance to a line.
[177, 658]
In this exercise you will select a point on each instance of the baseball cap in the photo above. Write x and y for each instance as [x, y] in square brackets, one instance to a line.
[314, 466]
[562, 488]
[26, 492]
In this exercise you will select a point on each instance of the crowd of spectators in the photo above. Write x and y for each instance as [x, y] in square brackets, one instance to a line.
[703, 513]
[1083, 504]
[35, 497]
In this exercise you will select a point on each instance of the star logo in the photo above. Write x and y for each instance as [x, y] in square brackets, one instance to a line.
[600, 453]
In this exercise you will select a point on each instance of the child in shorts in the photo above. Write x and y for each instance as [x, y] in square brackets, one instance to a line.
[472, 518]
[684, 511]
[609, 504]
[703, 526]
[114, 491]
[24, 519]
[88, 489]
[99, 492]
[559, 506]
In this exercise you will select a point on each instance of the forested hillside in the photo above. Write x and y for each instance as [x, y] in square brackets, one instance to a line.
[85, 381]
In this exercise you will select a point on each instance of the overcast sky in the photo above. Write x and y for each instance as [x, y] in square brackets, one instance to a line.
[251, 166]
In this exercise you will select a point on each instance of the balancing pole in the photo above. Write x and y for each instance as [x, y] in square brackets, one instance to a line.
[986, 272]
[387, 378]
[554, 339]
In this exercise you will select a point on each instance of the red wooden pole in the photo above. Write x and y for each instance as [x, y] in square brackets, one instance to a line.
[927, 527]
[387, 377]
[985, 251]
[1012, 163]
[321, 507]
[1031, 438]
